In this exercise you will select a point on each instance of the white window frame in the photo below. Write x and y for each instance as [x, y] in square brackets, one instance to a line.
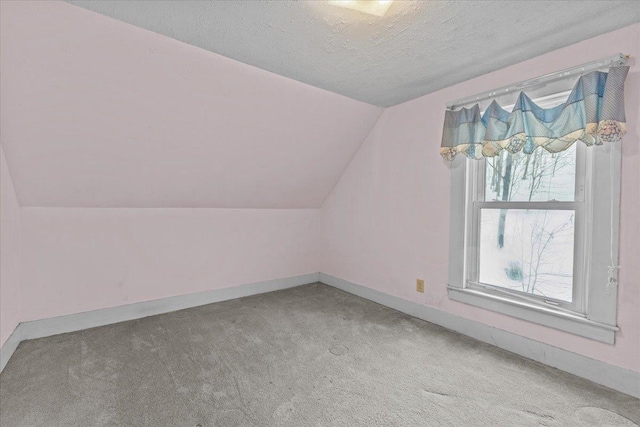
[592, 313]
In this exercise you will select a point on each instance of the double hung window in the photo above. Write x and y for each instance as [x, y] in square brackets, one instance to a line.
[533, 235]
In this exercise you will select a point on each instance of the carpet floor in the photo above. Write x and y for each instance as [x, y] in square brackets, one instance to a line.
[306, 356]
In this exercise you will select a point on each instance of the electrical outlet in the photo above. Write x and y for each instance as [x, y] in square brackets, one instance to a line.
[420, 285]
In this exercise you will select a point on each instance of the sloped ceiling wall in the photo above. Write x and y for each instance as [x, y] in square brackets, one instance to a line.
[99, 113]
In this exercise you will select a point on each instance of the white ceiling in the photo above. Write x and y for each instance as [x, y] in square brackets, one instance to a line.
[418, 47]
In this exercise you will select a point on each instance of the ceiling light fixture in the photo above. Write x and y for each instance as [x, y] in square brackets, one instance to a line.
[372, 7]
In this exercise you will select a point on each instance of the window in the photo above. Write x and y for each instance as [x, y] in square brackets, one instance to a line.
[532, 236]
[525, 211]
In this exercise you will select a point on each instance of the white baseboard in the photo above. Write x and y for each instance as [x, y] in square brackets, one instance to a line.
[9, 346]
[597, 371]
[107, 316]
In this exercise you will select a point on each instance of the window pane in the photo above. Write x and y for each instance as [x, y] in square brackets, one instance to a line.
[528, 251]
[537, 177]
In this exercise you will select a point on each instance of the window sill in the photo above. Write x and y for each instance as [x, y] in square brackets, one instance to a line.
[556, 319]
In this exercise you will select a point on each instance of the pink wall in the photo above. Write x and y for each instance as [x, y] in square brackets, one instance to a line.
[387, 221]
[9, 253]
[77, 259]
[100, 113]
[124, 145]
[127, 118]
[120, 143]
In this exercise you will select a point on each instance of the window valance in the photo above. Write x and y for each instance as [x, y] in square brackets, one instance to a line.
[593, 113]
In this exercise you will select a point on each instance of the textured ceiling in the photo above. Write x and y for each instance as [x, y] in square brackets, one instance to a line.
[418, 47]
[99, 113]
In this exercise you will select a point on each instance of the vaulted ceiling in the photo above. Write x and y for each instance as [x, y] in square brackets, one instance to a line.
[418, 47]
[246, 104]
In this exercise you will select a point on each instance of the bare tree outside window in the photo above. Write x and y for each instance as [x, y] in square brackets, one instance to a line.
[529, 250]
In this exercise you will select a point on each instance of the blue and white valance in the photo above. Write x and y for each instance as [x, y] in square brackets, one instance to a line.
[593, 114]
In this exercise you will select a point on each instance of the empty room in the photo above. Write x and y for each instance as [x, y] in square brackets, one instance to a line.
[319, 213]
